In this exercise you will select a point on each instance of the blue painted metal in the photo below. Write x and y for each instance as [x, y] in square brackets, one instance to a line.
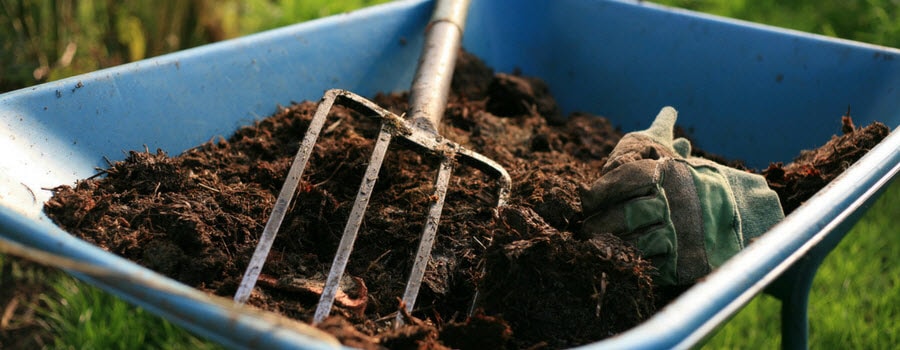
[742, 89]
[218, 319]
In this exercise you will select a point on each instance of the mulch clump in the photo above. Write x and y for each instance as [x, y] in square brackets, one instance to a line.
[197, 217]
[813, 169]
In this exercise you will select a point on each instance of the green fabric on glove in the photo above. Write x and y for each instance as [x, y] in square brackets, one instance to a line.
[688, 215]
[752, 191]
[722, 236]
[640, 213]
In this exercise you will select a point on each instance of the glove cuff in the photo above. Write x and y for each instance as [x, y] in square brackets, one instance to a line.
[758, 206]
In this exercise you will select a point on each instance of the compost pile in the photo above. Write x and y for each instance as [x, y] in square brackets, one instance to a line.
[197, 218]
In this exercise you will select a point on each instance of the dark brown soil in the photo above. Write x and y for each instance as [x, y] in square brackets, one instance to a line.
[813, 169]
[197, 218]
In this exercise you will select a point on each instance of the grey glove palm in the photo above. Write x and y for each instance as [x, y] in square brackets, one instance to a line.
[687, 214]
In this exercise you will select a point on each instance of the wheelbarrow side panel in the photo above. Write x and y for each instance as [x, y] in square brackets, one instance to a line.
[744, 90]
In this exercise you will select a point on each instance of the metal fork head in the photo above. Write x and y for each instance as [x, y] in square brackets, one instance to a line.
[392, 125]
[428, 140]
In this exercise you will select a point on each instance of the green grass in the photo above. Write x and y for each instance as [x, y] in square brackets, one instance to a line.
[857, 292]
[45, 40]
[64, 313]
[873, 21]
[81, 316]
[855, 297]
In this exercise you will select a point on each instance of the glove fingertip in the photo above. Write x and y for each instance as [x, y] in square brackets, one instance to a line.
[663, 126]
[682, 146]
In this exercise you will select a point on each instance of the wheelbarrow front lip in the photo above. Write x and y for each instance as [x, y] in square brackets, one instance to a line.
[219, 319]
[823, 219]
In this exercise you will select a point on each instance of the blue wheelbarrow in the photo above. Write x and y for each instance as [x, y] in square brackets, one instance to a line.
[744, 89]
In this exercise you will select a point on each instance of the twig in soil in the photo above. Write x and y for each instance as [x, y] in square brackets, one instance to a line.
[393, 315]
[479, 242]
[290, 284]
[599, 295]
[847, 123]
[539, 345]
[407, 316]
[208, 187]
[99, 172]
[331, 127]
[225, 245]
[389, 316]
[336, 170]
[375, 262]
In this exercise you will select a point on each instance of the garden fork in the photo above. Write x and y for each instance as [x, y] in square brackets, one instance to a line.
[427, 103]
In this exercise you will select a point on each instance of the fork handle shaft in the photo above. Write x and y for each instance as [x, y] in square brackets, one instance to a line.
[431, 85]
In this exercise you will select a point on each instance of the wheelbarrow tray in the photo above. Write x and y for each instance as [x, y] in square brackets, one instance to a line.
[746, 91]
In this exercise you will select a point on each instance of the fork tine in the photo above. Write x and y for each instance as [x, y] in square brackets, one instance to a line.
[349, 236]
[428, 234]
[284, 198]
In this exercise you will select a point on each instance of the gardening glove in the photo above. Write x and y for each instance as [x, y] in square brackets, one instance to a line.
[688, 215]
